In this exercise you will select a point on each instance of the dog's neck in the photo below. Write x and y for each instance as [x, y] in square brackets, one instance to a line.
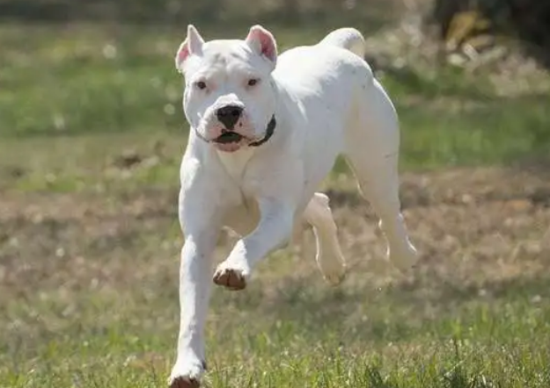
[235, 162]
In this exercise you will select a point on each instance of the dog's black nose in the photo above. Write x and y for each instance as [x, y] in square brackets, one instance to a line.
[229, 115]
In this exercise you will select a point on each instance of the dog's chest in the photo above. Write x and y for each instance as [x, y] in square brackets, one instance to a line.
[242, 213]
[235, 163]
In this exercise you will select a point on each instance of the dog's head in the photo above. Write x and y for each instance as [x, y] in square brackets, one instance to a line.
[229, 98]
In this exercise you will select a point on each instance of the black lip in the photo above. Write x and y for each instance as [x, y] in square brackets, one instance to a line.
[228, 137]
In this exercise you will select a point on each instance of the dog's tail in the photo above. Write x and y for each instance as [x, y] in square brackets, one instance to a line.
[347, 38]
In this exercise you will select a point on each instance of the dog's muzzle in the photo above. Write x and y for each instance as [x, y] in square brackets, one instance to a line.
[228, 136]
[229, 115]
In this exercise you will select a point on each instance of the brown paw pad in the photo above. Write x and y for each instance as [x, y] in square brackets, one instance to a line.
[231, 279]
[335, 280]
[181, 382]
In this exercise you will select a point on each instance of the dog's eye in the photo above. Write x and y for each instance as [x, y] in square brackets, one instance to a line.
[253, 81]
[201, 85]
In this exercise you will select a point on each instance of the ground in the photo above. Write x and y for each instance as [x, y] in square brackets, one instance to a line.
[89, 239]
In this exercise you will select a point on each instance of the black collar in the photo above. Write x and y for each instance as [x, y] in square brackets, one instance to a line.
[268, 133]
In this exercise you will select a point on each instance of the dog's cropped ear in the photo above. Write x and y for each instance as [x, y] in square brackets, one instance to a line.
[263, 42]
[192, 45]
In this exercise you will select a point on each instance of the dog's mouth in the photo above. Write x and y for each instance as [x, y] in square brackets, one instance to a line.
[228, 137]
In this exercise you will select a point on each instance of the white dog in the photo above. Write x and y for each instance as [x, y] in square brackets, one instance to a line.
[265, 131]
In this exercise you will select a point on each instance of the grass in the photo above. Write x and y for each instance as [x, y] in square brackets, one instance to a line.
[88, 86]
[89, 299]
[91, 135]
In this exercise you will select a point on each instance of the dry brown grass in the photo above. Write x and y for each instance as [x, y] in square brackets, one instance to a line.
[473, 227]
[91, 282]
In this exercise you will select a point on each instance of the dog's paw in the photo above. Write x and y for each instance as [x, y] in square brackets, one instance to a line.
[332, 264]
[187, 373]
[336, 277]
[404, 258]
[231, 276]
[182, 382]
[334, 271]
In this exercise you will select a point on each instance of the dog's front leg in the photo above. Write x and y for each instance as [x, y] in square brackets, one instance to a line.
[273, 231]
[201, 229]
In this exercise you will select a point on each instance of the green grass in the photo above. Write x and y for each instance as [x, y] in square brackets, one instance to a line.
[299, 336]
[117, 85]
[88, 293]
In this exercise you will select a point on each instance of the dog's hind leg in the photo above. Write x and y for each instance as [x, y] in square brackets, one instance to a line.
[372, 150]
[329, 255]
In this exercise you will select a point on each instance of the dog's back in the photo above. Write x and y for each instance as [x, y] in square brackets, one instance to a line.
[347, 38]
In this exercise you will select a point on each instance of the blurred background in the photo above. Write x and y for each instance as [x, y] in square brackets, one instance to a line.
[91, 136]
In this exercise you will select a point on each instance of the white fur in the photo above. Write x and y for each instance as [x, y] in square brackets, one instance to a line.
[326, 102]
